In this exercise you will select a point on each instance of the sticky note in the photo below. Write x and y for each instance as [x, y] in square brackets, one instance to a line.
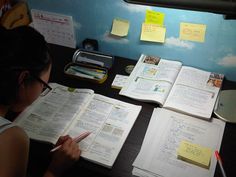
[119, 81]
[70, 89]
[192, 32]
[120, 27]
[154, 17]
[153, 33]
[194, 153]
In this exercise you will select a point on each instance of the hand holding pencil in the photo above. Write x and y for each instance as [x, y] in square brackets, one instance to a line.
[76, 140]
[66, 153]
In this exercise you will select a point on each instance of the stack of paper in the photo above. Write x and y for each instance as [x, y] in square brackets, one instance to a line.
[166, 130]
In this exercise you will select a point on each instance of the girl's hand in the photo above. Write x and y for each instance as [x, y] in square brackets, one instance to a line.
[65, 156]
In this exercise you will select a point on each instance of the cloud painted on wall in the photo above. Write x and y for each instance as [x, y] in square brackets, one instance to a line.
[109, 38]
[176, 42]
[228, 61]
[133, 7]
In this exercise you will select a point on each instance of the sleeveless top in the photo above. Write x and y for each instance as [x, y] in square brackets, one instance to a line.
[5, 124]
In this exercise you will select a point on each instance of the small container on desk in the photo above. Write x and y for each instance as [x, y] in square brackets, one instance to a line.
[89, 65]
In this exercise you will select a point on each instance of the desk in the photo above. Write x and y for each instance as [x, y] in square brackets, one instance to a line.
[39, 152]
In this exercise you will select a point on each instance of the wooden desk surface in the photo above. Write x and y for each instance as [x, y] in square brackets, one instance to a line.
[39, 152]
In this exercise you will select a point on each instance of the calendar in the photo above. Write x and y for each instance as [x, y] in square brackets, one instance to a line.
[56, 28]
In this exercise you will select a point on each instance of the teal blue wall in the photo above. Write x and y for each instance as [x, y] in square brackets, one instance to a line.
[93, 19]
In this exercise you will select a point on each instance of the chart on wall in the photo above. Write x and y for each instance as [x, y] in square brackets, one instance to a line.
[56, 28]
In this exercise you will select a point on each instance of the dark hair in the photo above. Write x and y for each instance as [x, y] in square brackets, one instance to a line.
[22, 48]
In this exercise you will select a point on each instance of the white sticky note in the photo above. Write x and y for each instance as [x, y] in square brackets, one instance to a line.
[119, 81]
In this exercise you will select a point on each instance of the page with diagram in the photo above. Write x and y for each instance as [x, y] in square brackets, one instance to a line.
[195, 92]
[71, 111]
[152, 79]
[109, 122]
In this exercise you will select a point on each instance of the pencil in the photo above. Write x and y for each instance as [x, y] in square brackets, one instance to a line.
[220, 163]
[96, 75]
[77, 139]
[90, 69]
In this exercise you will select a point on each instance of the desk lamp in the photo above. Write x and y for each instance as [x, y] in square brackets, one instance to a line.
[226, 107]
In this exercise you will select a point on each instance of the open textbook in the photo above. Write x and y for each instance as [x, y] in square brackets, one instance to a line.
[166, 130]
[182, 88]
[74, 111]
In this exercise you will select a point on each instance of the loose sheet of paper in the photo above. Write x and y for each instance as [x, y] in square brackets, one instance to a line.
[192, 32]
[120, 27]
[56, 28]
[158, 156]
[153, 33]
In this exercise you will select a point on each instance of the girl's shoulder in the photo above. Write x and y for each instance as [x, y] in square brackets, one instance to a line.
[5, 124]
[11, 131]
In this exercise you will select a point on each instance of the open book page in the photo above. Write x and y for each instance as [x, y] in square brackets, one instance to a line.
[49, 116]
[109, 122]
[158, 155]
[195, 92]
[75, 111]
[152, 79]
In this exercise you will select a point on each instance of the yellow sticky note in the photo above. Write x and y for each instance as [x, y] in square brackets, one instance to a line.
[195, 154]
[192, 32]
[153, 33]
[120, 27]
[154, 17]
[70, 89]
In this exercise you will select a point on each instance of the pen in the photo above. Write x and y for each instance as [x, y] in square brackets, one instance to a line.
[77, 139]
[220, 163]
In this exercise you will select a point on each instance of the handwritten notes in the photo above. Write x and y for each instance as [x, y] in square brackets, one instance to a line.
[153, 17]
[192, 32]
[120, 27]
[194, 153]
[153, 33]
[166, 130]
